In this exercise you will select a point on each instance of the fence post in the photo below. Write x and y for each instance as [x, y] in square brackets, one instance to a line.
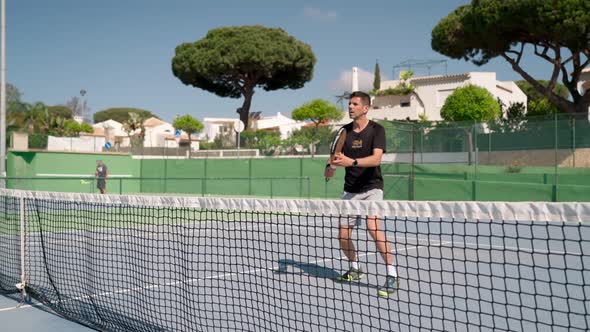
[555, 196]
[165, 175]
[301, 177]
[489, 147]
[574, 141]
[203, 184]
[412, 147]
[250, 176]
[476, 148]
[270, 187]
[421, 145]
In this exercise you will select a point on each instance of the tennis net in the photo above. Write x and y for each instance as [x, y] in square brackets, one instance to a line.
[142, 263]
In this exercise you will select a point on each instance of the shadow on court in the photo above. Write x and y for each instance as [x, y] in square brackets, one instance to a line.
[289, 266]
[292, 267]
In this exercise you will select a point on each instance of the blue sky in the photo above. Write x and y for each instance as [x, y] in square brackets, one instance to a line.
[120, 51]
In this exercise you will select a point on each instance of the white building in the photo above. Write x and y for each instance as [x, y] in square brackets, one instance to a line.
[225, 126]
[112, 131]
[160, 133]
[584, 82]
[284, 124]
[431, 93]
[216, 126]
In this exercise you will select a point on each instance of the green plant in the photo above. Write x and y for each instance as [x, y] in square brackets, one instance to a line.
[470, 102]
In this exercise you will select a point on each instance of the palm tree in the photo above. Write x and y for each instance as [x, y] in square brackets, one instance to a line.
[132, 125]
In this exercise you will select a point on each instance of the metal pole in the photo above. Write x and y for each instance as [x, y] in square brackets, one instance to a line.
[574, 141]
[556, 159]
[23, 254]
[421, 145]
[3, 97]
[476, 149]
[411, 193]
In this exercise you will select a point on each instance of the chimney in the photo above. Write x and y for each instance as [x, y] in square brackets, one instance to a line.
[355, 79]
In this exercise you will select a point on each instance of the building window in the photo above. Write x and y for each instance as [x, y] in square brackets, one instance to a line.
[404, 103]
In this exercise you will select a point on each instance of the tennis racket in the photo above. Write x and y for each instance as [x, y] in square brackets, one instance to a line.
[337, 144]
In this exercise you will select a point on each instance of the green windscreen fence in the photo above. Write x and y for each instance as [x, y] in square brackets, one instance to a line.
[558, 131]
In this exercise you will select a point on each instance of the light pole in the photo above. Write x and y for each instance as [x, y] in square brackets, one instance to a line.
[3, 96]
[82, 105]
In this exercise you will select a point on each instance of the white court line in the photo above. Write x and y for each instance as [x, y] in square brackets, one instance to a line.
[81, 175]
[22, 306]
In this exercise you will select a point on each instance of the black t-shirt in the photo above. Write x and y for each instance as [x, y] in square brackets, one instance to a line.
[360, 145]
[101, 171]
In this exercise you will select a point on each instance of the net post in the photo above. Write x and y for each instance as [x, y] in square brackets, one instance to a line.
[22, 286]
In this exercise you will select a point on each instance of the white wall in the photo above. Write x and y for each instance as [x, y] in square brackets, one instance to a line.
[285, 124]
[510, 93]
[214, 126]
[84, 143]
[156, 136]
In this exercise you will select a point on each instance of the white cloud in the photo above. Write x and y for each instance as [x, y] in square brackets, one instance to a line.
[344, 82]
[319, 14]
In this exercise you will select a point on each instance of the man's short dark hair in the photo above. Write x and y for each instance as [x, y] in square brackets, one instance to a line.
[365, 98]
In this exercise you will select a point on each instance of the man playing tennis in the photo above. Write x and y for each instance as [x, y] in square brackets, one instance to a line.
[361, 154]
[101, 174]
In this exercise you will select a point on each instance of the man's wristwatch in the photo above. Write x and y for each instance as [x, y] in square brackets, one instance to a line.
[355, 163]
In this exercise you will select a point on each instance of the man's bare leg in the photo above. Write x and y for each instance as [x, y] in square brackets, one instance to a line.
[346, 244]
[380, 239]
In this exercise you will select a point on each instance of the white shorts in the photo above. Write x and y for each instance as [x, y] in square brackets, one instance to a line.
[371, 195]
